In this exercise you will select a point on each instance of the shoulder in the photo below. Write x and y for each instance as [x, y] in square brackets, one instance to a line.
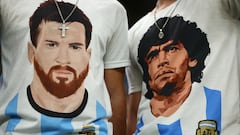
[232, 7]
[144, 21]
[107, 6]
[140, 27]
[105, 11]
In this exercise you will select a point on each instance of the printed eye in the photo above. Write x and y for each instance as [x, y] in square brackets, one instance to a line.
[75, 46]
[171, 48]
[152, 55]
[51, 44]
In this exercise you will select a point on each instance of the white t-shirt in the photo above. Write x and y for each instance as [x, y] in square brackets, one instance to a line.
[108, 50]
[220, 21]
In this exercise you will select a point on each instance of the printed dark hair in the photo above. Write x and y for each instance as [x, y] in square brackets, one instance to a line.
[47, 11]
[194, 41]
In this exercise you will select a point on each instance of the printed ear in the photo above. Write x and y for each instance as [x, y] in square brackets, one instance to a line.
[89, 51]
[31, 52]
[192, 63]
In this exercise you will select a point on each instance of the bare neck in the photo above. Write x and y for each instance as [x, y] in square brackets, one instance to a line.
[161, 4]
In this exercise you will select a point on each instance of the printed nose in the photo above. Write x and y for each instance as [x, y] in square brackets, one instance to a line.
[162, 64]
[63, 56]
[162, 59]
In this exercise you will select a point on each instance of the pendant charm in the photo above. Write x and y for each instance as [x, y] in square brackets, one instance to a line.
[63, 29]
[161, 34]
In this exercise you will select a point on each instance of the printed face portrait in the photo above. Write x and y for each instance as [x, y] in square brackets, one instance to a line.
[61, 63]
[174, 60]
[168, 65]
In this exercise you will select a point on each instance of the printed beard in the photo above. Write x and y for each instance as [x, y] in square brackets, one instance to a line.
[167, 90]
[61, 89]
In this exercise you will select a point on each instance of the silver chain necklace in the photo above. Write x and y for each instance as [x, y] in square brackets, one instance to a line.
[63, 26]
[161, 33]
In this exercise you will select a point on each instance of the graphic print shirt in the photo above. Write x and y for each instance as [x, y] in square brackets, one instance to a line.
[217, 96]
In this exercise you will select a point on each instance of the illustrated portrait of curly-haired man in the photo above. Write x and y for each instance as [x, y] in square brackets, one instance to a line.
[172, 63]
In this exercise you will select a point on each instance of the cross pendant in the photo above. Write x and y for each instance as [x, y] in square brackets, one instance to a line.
[63, 28]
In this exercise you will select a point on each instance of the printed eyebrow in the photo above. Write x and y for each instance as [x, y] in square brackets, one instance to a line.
[55, 42]
[153, 53]
[76, 43]
[157, 50]
[51, 41]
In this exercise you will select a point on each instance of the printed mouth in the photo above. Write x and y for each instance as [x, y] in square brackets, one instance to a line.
[63, 72]
[163, 73]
